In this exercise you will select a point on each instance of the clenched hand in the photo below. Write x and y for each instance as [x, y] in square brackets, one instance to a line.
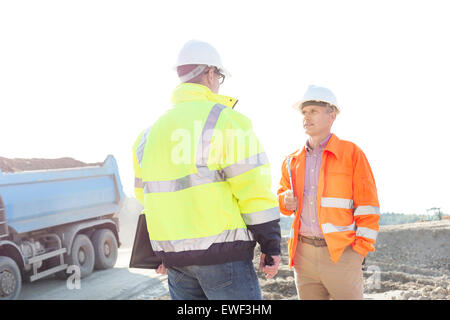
[161, 269]
[271, 270]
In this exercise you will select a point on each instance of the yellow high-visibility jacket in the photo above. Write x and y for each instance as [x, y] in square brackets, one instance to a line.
[204, 181]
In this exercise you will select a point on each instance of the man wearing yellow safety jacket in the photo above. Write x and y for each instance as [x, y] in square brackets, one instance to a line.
[330, 188]
[204, 181]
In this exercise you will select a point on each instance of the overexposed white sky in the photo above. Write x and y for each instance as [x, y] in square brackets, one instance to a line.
[81, 79]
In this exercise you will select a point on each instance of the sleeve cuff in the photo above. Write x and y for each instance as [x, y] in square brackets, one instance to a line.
[362, 247]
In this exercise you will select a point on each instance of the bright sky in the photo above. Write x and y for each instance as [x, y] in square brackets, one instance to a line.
[82, 78]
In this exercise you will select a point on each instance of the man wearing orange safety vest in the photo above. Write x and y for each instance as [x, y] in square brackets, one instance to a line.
[329, 187]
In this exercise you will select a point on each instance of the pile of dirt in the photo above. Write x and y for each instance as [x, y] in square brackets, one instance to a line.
[410, 262]
[20, 164]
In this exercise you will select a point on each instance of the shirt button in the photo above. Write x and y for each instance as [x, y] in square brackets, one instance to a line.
[311, 203]
[312, 170]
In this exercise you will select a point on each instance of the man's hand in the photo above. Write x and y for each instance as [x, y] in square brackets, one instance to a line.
[161, 269]
[290, 201]
[271, 270]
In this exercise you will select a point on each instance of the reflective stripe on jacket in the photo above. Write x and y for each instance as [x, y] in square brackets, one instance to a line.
[204, 181]
[347, 201]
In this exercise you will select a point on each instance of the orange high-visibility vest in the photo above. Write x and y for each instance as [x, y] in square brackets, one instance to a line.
[347, 202]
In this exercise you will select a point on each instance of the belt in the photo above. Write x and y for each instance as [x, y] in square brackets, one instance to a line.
[316, 242]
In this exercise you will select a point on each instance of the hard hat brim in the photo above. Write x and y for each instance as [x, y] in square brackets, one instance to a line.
[221, 69]
[298, 105]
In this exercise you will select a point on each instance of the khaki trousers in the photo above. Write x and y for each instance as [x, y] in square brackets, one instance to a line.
[317, 277]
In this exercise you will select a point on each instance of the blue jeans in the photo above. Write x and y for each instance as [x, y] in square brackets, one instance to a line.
[236, 280]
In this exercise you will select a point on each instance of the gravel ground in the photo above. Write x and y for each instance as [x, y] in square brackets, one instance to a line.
[412, 260]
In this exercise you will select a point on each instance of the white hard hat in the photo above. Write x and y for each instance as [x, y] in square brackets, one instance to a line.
[196, 52]
[316, 93]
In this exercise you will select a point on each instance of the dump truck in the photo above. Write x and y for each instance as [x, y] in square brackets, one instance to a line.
[56, 221]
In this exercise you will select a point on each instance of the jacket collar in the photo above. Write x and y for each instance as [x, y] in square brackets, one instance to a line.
[187, 92]
[332, 146]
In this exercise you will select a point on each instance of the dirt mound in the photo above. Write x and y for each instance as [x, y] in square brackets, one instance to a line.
[411, 261]
[19, 164]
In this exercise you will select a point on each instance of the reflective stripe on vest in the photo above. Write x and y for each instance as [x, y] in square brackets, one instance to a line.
[366, 233]
[138, 183]
[329, 228]
[192, 180]
[261, 216]
[362, 210]
[207, 133]
[202, 243]
[204, 175]
[337, 203]
[245, 165]
[141, 147]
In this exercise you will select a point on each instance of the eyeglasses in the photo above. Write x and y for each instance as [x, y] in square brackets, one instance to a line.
[220, 74]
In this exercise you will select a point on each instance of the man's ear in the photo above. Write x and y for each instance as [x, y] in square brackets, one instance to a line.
[333, 115]
[210, 76]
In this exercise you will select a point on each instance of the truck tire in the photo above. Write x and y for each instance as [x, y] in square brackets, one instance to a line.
[106, 249]
[10, 279]
[82, 255]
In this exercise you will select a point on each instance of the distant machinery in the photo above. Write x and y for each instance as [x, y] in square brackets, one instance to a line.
[435, 213]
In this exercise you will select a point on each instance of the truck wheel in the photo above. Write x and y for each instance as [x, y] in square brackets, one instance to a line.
[10, 279]
[82, 255]
[106, 249]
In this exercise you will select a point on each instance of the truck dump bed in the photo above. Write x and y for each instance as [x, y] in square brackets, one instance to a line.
[35, 200]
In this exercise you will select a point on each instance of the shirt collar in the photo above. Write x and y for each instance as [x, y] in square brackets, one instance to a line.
[322, 144]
